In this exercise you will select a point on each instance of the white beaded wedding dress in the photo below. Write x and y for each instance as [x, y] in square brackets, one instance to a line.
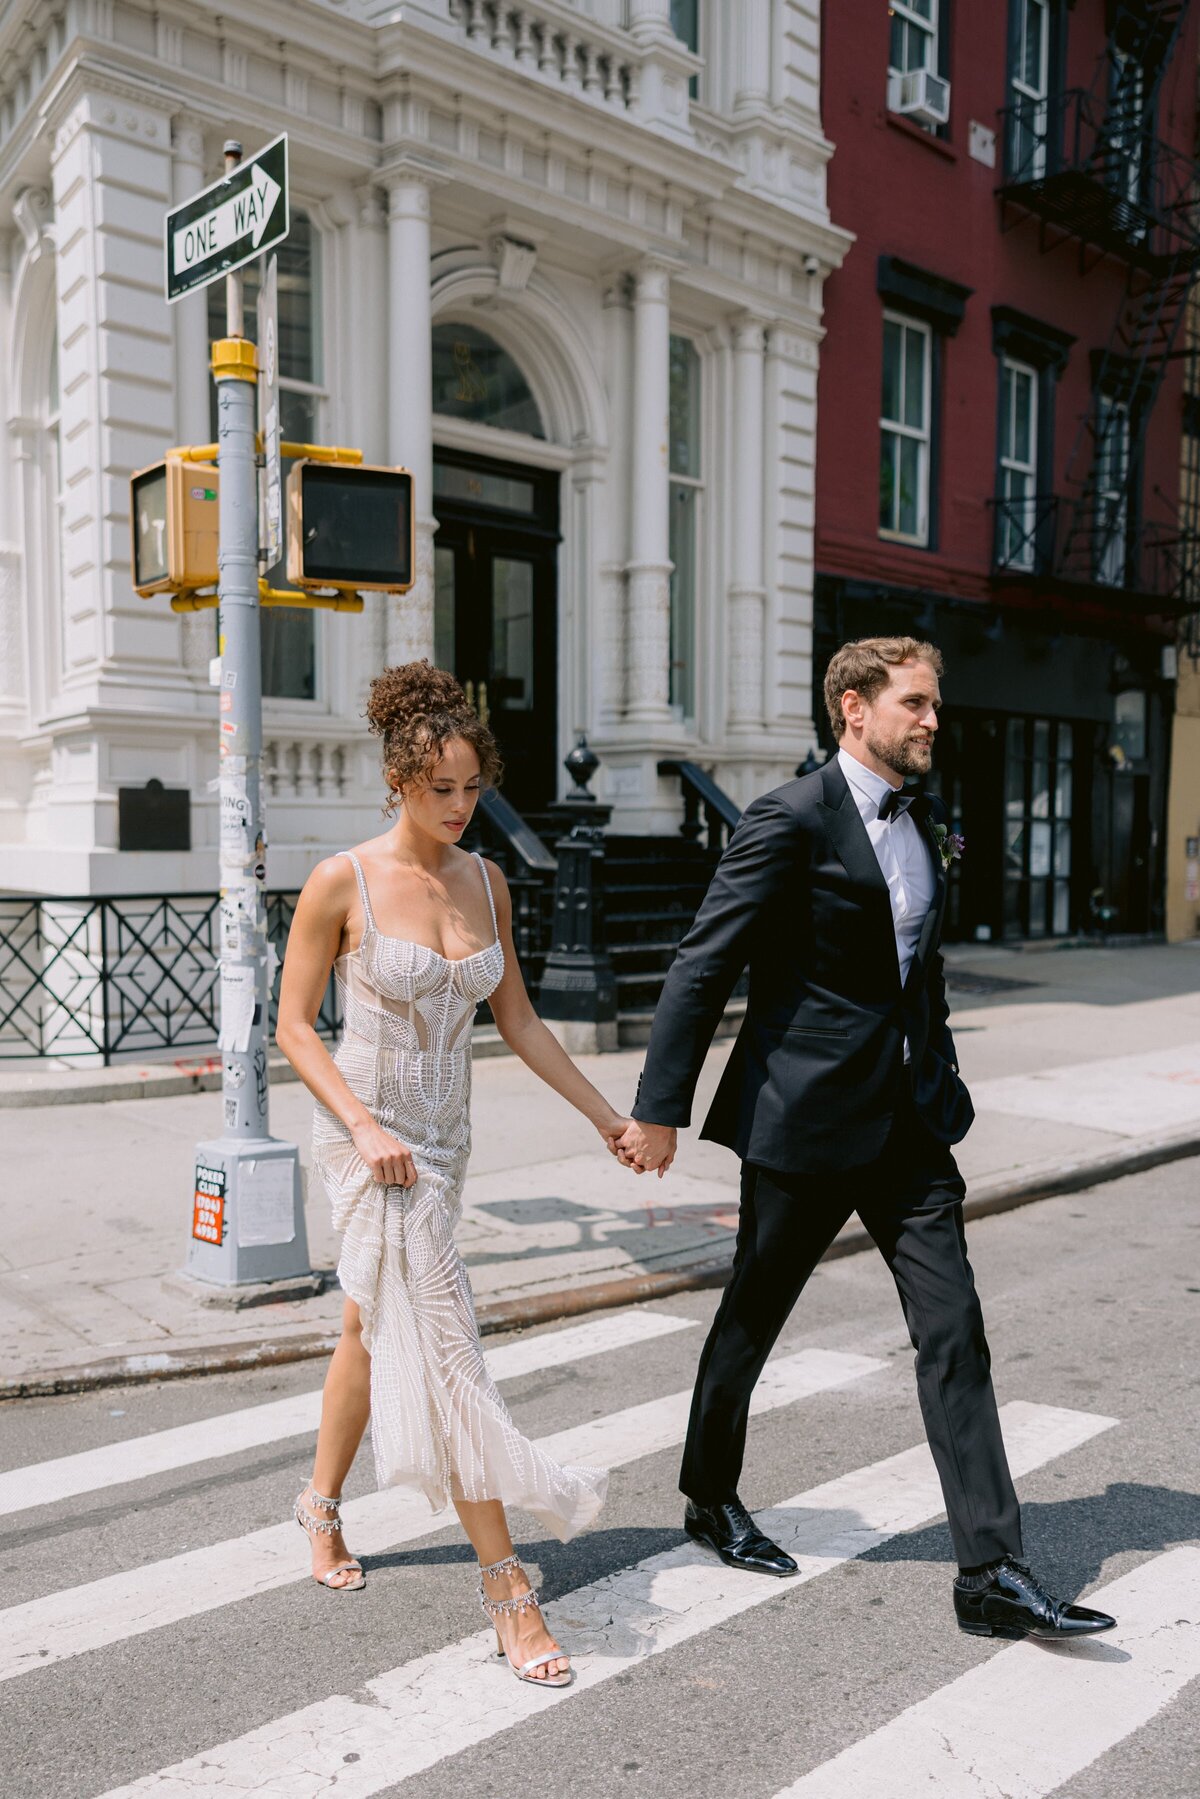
[437, 1420]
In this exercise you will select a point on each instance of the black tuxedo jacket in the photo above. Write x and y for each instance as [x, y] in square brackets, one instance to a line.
[818, 1068]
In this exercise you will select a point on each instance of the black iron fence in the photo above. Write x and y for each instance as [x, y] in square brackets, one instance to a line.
[117, 978]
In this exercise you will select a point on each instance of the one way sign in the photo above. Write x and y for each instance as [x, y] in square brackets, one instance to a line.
[237, 218]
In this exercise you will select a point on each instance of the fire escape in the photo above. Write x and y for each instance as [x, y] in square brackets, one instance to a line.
[1088, 166]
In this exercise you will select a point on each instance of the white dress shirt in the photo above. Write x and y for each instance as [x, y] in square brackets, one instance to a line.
[903, 856]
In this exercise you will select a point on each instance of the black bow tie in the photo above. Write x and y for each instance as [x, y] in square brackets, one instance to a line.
[895, 802]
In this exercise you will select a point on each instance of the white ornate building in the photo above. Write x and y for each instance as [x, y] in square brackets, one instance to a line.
[565, 268]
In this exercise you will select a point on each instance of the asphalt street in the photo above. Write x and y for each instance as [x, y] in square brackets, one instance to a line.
[159, 1635]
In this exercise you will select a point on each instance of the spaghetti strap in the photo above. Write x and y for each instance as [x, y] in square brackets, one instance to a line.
[365, 897]
[488, 885]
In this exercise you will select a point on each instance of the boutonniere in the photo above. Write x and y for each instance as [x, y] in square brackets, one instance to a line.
[950, 844]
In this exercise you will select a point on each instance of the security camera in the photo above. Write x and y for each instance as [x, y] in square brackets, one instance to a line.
[812, 265]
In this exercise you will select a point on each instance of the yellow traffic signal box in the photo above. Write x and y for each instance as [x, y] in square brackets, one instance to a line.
[174, 522]
[350, 527]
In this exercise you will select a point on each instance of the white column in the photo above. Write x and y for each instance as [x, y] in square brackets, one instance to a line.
[611, 697]
[648, 633]
[112, 182]
[366, 291]
[792, 358]
[366, 331]
[190, 315]
[650, 19]
[746, 588]
[13, 684]
[193, 424]
[751, 54]
[410, 398]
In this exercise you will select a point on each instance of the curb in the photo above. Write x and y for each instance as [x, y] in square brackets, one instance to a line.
[95, 1086]
[988, 1201]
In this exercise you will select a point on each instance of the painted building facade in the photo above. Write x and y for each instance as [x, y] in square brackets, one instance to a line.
[1001, 397]
[563, 261]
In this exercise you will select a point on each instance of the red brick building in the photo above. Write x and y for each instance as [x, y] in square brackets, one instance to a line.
[999, 419]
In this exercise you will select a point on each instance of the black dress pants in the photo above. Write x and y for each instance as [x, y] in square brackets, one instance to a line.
[910, 1200]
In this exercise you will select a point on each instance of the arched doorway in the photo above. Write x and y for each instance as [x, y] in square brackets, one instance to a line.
[496, 562]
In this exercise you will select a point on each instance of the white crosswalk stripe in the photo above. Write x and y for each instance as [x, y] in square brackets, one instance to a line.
[1070, 1704]
[68, 1623]
[232, 1433]
[440, 1704]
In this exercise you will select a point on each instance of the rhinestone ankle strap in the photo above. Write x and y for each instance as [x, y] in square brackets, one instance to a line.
[510, 1565]
[320, 1526]
[498, 1608]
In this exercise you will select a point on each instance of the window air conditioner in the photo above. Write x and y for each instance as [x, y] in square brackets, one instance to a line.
[920, 95]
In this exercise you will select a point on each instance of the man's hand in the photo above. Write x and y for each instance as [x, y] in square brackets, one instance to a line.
[646, 1146]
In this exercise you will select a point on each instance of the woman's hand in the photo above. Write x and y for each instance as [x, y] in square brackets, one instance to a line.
[390, 1161]
[611, 1129]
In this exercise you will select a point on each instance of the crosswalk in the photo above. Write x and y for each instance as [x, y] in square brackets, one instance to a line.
[35, 1636]
[253, 1427]
[421, 1713]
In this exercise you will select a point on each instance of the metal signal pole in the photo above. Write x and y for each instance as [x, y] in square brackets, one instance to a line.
[248, 1217]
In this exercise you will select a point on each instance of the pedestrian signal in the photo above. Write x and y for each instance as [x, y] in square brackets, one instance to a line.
[173, 516]
[350, 526]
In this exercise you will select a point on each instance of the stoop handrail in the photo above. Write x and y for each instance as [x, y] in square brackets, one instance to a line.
[701, 793]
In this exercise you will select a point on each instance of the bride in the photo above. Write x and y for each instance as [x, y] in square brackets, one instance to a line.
[417, 932]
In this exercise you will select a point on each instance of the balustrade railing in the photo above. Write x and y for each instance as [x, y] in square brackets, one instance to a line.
[110, 979]
[556, 43]
[300, 767]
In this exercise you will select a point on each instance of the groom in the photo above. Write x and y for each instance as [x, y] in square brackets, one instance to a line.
[842, 1094]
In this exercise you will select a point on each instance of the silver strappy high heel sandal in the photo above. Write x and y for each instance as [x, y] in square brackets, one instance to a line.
[497, 1608]
[325, 1527]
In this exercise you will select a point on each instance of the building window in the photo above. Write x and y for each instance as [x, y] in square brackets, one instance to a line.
[1018, 471]
[1112, 490]
[1029, 81]
[914, 36]
[905, 429]
[685, 25]
[685, 499]
[1128, 141]
[1038, 804]
[289, 661]
[474, 378]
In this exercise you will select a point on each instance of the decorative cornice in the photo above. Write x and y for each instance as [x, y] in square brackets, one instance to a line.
[515, 260]
[404, 168]
[33, 214]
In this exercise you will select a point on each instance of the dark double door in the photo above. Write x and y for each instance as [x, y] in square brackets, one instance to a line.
[496, 608]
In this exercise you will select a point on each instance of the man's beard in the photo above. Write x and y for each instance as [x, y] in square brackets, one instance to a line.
[904, 755]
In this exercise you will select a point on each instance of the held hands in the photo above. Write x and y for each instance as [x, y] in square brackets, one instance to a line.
[390, 1161]
[643, 1147]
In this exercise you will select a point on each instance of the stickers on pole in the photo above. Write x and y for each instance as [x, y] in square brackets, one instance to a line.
[270, 530]
[266, 1211]
[237, 1007]
[235, 842]
[208, 1209]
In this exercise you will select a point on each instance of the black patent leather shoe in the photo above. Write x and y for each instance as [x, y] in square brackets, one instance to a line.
[1014, 1604]
[732, 1532]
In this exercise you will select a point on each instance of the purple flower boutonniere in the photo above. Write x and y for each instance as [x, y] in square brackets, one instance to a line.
[950, 845]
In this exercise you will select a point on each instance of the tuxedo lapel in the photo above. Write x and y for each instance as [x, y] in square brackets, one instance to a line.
[848, 834]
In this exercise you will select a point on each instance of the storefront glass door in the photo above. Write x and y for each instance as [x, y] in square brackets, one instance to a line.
[1038, 823]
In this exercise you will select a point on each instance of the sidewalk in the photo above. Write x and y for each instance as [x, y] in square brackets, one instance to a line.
[1083, 1063]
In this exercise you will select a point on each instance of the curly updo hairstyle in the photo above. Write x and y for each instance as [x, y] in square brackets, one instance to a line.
[417, 710]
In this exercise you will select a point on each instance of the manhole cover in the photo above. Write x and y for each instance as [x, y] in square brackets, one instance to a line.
[964, 980]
